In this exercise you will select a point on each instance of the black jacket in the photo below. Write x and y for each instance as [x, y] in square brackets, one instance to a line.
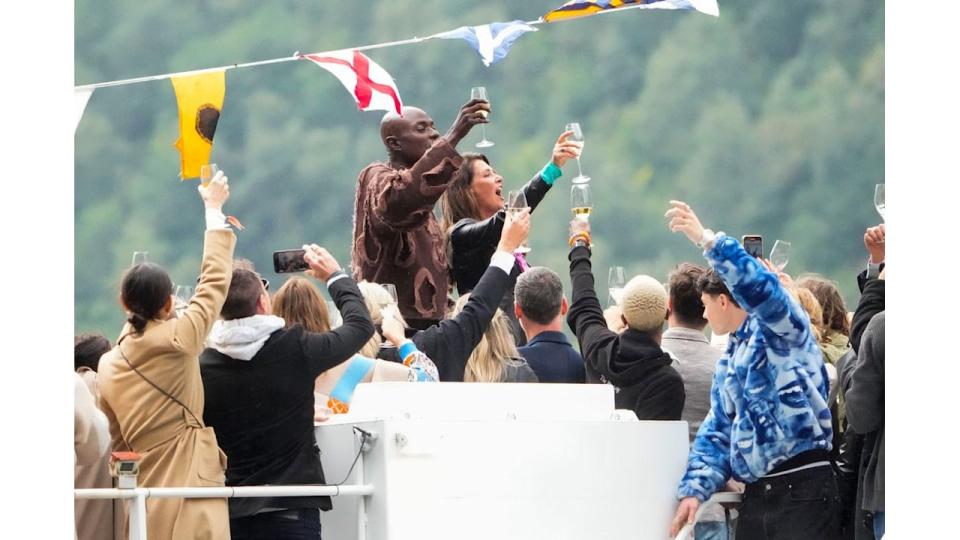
[632, 362]
[872, 301]
[450, 343]
[553, 359]
[262, 409]
[472, 243]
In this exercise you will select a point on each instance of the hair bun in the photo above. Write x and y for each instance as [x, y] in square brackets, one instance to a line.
[138, 321]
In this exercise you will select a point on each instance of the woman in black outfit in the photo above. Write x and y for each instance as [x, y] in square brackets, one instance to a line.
[473, 216]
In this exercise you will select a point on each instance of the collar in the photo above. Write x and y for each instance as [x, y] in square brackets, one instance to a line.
[686, 334]
[550, 336]
[743, 331]
[242, 339]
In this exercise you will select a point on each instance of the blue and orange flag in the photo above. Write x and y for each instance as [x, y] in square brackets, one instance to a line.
[583, 8]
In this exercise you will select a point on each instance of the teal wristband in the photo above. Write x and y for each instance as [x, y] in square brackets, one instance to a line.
[550, 173]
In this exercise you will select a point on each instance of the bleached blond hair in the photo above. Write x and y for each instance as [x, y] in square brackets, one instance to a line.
[644, 304]
[495, 349]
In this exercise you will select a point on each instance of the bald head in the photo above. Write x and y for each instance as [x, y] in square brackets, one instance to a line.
[407, 137]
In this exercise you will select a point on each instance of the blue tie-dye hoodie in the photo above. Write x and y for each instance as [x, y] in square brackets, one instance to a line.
[768, 401]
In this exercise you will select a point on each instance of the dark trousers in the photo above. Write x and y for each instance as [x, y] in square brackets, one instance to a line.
[802, 505]
[294, 524]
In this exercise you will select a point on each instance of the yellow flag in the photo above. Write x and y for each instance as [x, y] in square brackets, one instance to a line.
[199, 100]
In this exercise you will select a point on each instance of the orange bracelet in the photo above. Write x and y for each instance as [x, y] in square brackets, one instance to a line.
[582, 235]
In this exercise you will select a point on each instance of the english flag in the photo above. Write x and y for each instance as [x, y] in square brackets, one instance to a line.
[372, 87]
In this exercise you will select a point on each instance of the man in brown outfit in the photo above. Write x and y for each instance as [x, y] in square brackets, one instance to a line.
[396, 238]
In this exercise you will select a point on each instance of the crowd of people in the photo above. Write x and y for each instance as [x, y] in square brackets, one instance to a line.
[227, 391]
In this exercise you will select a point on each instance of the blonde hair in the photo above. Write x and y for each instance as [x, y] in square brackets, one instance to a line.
[644, 304]
[374, 296]
[299, 302]
[811, 305]
[495, 349]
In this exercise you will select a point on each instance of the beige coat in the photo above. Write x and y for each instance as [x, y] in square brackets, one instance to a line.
[91, 445]
[177, 450]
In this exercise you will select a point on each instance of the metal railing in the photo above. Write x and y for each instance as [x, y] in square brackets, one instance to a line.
[138, 508]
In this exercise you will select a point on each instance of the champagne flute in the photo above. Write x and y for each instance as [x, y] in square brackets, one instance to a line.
[878, 201]
[480, 92]
[780, 254]
[517, 203]
[334, 314]
[207, 172]
[577, 137]
[139, 257]
[616, 280]
[182, 295]
[581, 201]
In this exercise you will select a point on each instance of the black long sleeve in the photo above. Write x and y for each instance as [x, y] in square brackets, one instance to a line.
[326, 350]
[450, 343]
[872, 301]
[585, 317]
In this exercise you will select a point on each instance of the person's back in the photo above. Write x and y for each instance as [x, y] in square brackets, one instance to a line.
[685, 339]
[540, 307]
[258, 378]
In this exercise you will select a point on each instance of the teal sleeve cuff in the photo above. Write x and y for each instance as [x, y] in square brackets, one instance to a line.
[550, 173]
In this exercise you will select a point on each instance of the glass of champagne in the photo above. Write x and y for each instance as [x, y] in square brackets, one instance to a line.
[207, 172]
[878, 201]
[182, 295]
[334, 314]
[577, 137]
[139, 257]
[516, 203]
[580, 201]
[780, 254]
[480, 92]
[616, 280]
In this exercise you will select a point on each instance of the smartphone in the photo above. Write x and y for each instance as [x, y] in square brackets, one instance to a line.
[289, 260]
[753, 243]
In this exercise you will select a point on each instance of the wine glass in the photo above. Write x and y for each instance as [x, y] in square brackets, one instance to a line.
[480, 92]
[516, 203]
[387, 308]
[139, 257]
[581, 201]
[878, 201]
[577, 137]
[207, 172]
[182, 295]
[334, 314]
[780, 254]
[616, 280]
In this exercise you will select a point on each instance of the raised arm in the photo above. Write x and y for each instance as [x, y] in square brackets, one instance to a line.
[585, 317]
[757, 290]
[216, 269]
[323, 351]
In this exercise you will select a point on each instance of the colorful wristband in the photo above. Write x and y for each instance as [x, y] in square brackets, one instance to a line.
[550, 173]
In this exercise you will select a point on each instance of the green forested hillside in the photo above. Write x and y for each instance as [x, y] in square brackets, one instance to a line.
[767, 120]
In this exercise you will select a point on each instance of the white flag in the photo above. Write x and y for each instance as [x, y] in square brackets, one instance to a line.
[372, 87]
[80, 98]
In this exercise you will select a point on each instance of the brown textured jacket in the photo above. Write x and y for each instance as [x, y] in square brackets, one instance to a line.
[396, 238]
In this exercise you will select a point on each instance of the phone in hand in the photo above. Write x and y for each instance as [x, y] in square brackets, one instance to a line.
[289, 260]
[753, 243]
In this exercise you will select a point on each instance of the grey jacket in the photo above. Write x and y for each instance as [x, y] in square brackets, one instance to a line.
[697, 363]
[863, 387]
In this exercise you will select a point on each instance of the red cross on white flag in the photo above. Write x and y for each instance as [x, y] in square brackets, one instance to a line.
[372, 87]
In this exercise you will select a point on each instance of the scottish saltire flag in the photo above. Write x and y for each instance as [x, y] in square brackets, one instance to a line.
[491, 41]
[582, 8]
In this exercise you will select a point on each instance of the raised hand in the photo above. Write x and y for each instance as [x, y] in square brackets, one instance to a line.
[322, 264]
[875, 242]
[216, 192]
[564, 149]
[683, 219]
[471, 114]
[392, 329]
[515, 231]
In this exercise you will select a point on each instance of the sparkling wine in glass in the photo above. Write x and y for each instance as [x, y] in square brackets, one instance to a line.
[516, 204]
[139, 257]
[207, 172]
[780, 254]
[480, 92]
[577, 137]
[581, 201]
[616, 280]
[878, 201]
[388, 307]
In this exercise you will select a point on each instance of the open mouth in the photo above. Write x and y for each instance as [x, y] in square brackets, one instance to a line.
[499, 193]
